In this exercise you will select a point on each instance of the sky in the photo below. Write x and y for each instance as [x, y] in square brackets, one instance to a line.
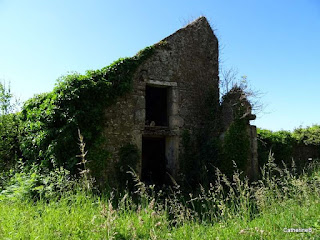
[275, 43]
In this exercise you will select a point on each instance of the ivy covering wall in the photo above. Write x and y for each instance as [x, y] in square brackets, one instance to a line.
[49, 121]
[302, 145]
[236, 147]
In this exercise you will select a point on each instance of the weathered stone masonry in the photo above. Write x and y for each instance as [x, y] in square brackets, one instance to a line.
[178, 76]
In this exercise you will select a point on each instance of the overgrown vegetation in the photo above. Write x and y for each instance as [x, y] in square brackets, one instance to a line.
[308, 136]
[45, 131]
[236, 147]
[299, 145]
[50, 121]
[47, 190]
[217, 145]
[30, 183]
[9, 129]
[224, 141]
[228, 209]
[9, 141]
[236, 143]
[129, 157]
[47, 201]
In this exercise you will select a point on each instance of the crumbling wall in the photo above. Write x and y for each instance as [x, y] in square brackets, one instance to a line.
[186, 63]
[236, 114]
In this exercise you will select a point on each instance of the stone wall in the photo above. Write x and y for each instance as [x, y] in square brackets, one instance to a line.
[187, 65]
[303, 154]
[236, 106]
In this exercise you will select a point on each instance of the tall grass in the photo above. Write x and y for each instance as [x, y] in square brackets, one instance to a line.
[228, 209]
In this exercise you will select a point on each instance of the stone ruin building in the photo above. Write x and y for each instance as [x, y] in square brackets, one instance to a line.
[168, 97]
[234, 100]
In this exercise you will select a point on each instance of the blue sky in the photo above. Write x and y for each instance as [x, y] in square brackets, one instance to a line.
[275, 43]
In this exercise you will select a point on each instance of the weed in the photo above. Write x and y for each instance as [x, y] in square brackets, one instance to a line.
[228, 209]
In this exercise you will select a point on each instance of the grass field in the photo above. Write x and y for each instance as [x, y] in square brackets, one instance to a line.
[226, 210]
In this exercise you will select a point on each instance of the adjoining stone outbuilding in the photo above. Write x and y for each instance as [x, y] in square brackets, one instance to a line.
[169, 96]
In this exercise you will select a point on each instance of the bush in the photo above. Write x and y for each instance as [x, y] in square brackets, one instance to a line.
[280, 143]
[308, 136]
[236, 147]
[286, 146]
[9, 141]
[30, 183]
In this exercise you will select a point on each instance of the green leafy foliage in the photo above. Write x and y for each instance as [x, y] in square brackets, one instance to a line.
[308, 136]
[9, 141]
[236, 142]
[236, 147]
[280, 143]
[6, 97]
[129, 157]
[50, 120]
[286, 146]
[228, 209]
[9, 130]
[30, 183]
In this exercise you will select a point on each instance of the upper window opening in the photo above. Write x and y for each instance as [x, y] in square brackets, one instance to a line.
[156, 106]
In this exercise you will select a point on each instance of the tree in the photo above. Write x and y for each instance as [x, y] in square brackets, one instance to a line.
[8, 103]
[9, 129]
[230, 79]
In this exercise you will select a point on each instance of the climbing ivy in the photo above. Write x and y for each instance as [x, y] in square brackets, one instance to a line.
[236, 146]
[236, 141]
[50, 120]
[285, 145]
[280, 143]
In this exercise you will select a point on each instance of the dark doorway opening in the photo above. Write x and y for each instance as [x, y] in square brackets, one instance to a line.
[153, 160]
[156, 106]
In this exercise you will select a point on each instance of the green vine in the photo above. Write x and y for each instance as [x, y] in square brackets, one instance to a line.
[286, 146]
[50, 120]
[236, 146]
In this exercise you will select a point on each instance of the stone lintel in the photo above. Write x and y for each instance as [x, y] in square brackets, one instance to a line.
[161, 83]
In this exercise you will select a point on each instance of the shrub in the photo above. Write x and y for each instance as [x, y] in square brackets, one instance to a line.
[30, 183]
[280, 143]
[286, 146]
[308, 135]
[9, 141]
[236, 147]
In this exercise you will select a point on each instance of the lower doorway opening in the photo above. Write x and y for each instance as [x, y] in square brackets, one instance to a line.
[153, 160]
